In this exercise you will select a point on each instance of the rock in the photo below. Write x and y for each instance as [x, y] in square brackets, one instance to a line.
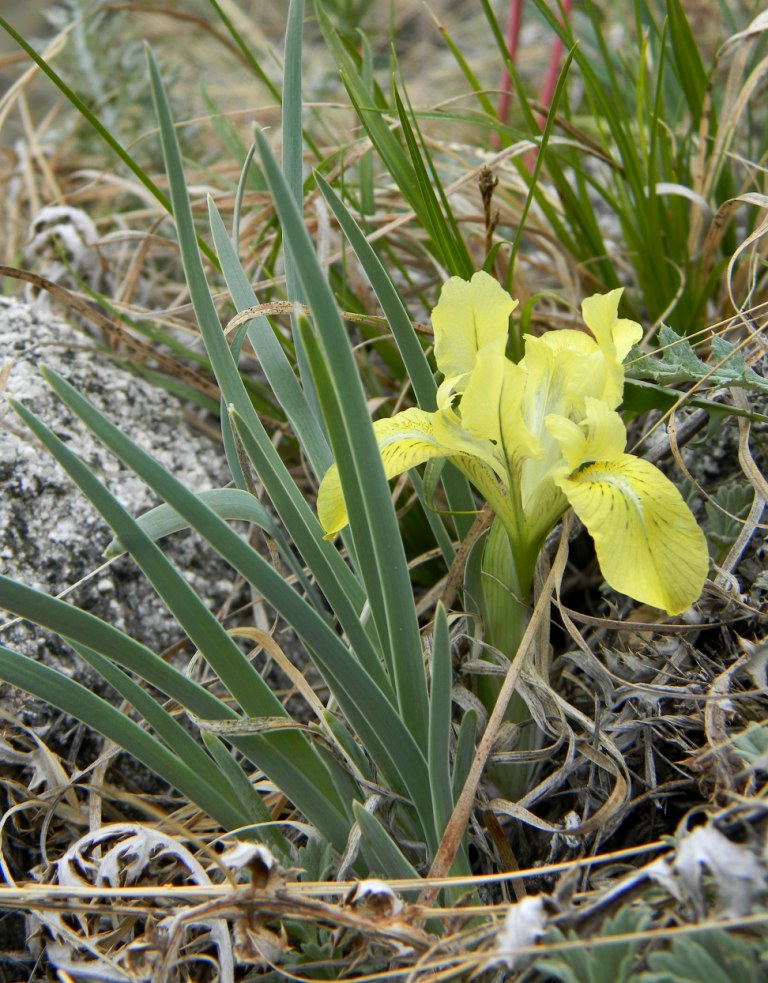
[50, 536]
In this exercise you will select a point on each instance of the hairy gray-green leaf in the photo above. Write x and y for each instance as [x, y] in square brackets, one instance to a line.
[715, 956]
[678, 362]
[600, 963]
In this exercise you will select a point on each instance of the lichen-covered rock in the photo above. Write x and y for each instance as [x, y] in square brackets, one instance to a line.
[50, 535]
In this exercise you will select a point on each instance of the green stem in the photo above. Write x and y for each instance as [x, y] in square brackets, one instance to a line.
[507, 572]
[507, 580]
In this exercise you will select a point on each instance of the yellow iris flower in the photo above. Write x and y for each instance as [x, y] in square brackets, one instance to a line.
[542, 434]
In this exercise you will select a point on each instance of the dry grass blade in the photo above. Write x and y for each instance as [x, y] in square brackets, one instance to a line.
[642, 723]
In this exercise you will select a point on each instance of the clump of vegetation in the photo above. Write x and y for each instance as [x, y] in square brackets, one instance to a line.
[495, 701]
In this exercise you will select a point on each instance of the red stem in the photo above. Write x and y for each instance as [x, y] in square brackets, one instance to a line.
[553, 68]
[505, 85]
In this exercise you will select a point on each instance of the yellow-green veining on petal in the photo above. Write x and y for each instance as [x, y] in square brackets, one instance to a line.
[648, 543]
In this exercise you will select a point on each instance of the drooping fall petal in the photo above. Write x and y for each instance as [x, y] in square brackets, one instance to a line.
[405, 440]
[469, 315]
[648, 543]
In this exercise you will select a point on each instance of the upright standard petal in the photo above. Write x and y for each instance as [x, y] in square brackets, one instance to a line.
[469, 315]
[648, 543]
[581, 367]
[615, 335]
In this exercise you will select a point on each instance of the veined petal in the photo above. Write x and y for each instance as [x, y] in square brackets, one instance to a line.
[648, 543]
[615, 335]
[600, 436]
[451, 433]
[469, 315]
[405, 440]
[579, 368]
[480, 404]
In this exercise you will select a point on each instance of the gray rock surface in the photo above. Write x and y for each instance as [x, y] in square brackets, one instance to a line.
[50, 536]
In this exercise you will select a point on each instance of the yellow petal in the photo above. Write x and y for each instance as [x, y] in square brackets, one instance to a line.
[578, 368]
[600, 436]
[450, 431]
[615, 335]
[469, 315]
[480, 404]
[648, 543]
[331, 510]
[405, 440]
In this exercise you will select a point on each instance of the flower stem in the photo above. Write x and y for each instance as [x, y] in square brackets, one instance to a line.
[506, 584]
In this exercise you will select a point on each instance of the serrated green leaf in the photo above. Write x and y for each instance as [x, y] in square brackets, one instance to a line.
[315, 858]
[752, 745]
[598, 964]
[734, 501]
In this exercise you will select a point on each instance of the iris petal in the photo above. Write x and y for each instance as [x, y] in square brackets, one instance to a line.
[615, 335]
[648, 543]
[600, 436]
[469, 315]
[405, 440]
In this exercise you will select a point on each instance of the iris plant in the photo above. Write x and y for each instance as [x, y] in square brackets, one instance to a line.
[540, 435]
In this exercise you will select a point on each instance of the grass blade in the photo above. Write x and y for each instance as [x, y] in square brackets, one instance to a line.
[690, 70]
[206, 633]
[227, 503]
[178, 740]
[383, 139]
[416, 365]
[344, 593]
[440, 223]
[272, 358]
[366, 706]
[71, 697]
[275, 753]
[378, 545]
[114, 145]
[438, 755]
